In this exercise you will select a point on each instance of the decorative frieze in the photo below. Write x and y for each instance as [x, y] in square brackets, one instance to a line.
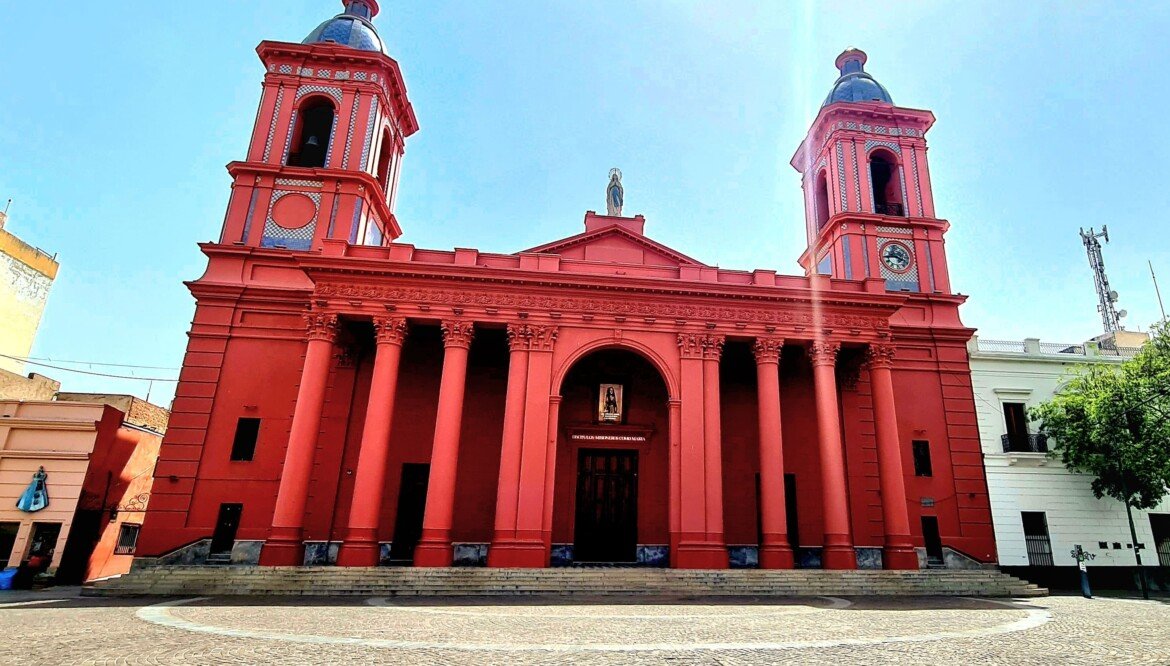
[665, 309]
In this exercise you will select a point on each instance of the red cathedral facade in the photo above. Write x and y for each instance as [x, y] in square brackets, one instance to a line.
[346, 398]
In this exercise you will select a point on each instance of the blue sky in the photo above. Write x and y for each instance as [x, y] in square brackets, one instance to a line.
[116, 120]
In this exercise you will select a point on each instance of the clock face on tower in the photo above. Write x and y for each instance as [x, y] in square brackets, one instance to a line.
[896, 257]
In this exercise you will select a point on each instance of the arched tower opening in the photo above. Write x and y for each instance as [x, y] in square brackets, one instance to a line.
[885, 183]
[313, 133]
[822, 200]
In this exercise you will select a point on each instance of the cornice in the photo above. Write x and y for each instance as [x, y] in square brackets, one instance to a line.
[394, 91]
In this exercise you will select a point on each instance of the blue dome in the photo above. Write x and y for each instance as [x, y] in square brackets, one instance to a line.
[353, 28]
[854, 84]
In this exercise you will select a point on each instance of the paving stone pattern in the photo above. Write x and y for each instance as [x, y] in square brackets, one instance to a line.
[38, 629]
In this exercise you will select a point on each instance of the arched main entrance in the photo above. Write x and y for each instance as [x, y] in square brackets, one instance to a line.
[611, 490]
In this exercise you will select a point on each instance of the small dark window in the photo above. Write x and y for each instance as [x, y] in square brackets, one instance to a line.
[922, 458]
[1017, 438]
[127, 539]
[244, 446]
[1103, 545]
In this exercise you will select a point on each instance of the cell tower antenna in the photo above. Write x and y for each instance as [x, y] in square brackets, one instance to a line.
[1106, 297]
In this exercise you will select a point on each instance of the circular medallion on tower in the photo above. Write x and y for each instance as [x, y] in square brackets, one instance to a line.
[293, 211]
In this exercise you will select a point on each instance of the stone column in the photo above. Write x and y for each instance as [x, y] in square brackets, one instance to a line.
[508, 487]
[361, 547]
[898, 552]
[713, 436]
[674, 440]
[434, 547]
[775, 551]
[285, 546]
[837, 552]
[699, 540]
[523, 495]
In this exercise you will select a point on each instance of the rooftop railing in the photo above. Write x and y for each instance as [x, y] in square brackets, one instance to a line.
[1036, 347]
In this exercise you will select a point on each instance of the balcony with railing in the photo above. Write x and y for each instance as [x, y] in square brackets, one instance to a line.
[1025, 442]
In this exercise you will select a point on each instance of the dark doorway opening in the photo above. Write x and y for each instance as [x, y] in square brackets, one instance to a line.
[606, 525]
[934, 550]
[226, 525]
[79, 545]
[412, 504]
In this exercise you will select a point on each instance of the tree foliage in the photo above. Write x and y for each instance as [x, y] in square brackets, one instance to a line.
[1114, 423]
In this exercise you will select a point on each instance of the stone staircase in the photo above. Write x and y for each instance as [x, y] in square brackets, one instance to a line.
[565, 583]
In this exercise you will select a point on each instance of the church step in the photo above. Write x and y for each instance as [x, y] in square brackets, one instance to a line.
[334, 581]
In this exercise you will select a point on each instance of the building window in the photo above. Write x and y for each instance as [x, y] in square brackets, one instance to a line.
[244, 445]
[1017, 438]
[922, 458]
[312, 134]
[127, 539]
[1036, 537]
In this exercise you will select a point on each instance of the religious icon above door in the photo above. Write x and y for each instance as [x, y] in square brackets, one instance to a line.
[609, 403]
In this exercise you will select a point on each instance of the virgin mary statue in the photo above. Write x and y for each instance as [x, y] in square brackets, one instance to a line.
[36, 496]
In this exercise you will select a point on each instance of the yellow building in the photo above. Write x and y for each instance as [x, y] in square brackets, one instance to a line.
[26, 274]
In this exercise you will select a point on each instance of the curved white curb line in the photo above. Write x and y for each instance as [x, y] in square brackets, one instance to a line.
[160, 614]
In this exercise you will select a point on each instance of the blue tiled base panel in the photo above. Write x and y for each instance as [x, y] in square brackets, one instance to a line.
[470, 554]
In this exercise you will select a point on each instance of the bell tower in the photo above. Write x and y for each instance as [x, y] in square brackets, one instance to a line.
[328, 142]
[869, 210]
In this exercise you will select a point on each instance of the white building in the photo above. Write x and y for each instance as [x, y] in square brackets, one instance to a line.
[1041, 509]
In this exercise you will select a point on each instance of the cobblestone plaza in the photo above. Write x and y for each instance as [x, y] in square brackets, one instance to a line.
[41, 629]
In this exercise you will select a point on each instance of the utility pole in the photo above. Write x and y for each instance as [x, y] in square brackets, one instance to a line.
[1157, 291]
[1106, 297]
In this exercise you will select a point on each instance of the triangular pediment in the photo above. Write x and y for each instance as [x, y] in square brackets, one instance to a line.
[618, 245]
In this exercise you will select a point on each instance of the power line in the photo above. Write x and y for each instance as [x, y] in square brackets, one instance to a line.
[33, 359]
[89, 372]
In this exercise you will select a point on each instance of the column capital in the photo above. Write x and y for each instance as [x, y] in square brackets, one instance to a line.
[824, 352]
[713, 347]
[390, 330]
[690, 345]
[523, 337]
[519, 337]
[457, 333]
[544, 338]
[880, 355]
[767, 350]
[320, 326]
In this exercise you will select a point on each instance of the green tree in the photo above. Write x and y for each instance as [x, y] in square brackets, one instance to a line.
[1113, 422]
